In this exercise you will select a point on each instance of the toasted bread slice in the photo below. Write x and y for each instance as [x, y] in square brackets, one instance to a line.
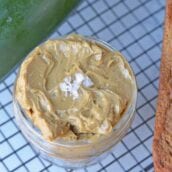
[162, 143]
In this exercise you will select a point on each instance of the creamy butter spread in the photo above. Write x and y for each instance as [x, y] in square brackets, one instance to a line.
[73, 88]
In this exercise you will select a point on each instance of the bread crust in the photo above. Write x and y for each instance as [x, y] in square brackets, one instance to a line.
[162, 143]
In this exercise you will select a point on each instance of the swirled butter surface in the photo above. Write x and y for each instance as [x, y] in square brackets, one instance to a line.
[72, 88]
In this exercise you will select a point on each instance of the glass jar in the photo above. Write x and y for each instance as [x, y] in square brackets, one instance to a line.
[74, 154]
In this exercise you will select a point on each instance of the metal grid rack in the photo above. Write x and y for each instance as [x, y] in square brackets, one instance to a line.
[134, 27]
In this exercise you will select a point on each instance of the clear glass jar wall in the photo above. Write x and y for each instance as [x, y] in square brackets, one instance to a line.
[76, 154]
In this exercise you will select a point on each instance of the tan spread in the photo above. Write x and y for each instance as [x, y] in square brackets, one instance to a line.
[74, 89]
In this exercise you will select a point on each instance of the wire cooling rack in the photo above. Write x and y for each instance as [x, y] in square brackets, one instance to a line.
[135, 28]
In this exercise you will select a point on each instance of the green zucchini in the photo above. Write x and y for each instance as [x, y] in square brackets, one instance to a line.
[24, 24]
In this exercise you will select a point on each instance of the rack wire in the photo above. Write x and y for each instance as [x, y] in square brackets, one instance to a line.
[133, 27]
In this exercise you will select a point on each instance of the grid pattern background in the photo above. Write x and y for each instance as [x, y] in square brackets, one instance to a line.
[135, 28]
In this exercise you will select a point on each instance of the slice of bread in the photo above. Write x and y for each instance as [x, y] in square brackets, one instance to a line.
[162, 144]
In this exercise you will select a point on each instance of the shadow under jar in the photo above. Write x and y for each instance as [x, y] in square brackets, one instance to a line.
[81, 152]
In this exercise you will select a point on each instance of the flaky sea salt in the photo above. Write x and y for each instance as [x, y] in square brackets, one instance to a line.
[105, 127]
[71, 84]
[87, 82]
[79, 77]
[126, 73]
[98, 57]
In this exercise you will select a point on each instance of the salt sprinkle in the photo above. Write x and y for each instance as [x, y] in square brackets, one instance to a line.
[98, 57]
[71, 85]
[87, 82]
[105, 127]
[126, 73]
